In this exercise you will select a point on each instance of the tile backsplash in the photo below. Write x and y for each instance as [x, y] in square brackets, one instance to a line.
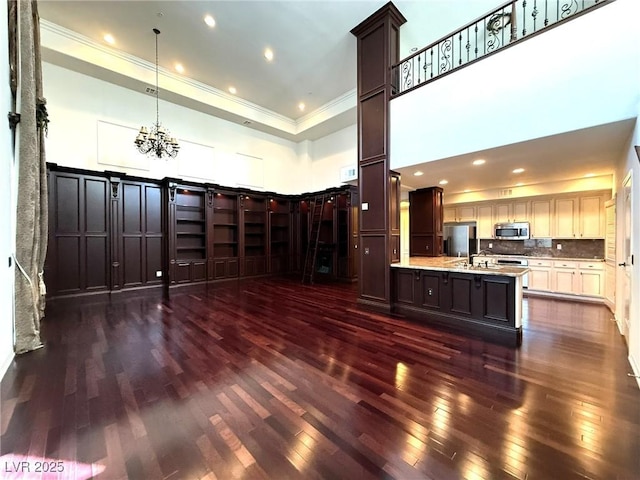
[546, 247]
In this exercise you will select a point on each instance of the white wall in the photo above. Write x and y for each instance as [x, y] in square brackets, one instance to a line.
[7, 233]
[331, 153]
[578, 75]
[93, 125]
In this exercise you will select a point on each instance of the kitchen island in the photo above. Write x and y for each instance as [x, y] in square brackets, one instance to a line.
[483, 301]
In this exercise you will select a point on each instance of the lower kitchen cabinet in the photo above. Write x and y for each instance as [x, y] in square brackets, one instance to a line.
[591, 279]
[567, 277]
[564, 277]
[540, 275]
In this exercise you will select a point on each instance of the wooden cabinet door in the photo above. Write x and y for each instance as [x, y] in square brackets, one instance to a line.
[449, 214]
[540, 219]
[591, 283]
[592, 217]
[540, 279]
[566, 212]
[422, 245]
[466, 213]
[520, 211]
[564, 280]
[485, 221]
[502, 212]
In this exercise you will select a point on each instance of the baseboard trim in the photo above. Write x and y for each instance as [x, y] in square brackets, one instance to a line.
[635, 369]
[564, 296]
[376, 306]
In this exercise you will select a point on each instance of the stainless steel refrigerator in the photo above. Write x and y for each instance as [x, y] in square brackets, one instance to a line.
[460, 239]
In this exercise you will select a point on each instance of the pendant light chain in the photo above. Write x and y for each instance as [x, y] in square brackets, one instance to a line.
[157, 141]
[157, 32]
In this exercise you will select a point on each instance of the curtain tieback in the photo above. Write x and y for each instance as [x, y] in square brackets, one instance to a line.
[23, 271]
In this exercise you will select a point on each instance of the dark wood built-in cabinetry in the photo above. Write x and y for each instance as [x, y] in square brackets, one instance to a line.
[254, 219]
[337, 255]
[110, 232]
[226, 235]
[106, 232]
[482, 305]
[425, 222]
[187, 233]
[279, 235]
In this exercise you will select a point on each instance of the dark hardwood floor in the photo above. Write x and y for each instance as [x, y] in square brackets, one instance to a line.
[270, 379]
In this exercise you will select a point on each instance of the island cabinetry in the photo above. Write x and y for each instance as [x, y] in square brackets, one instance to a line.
[484, 305]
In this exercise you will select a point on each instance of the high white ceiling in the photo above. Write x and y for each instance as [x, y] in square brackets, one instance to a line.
[314, 63]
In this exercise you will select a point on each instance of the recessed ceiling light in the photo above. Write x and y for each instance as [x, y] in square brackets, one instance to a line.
[209, 20]
[109, 39]
[418, 173]
[589, 175]
[268, 54]
[233, 90]
[479, 161]
[443, 182]
[518, 170]
[301, 106]
[179, 68]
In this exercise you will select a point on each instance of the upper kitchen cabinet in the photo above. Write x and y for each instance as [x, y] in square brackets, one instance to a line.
[592, 221]
[460, 213]
[425, 222]
[580, 216]
[485, 221]
[513, 211]
[540, 218]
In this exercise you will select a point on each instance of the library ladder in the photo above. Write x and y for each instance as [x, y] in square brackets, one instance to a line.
[314, 239]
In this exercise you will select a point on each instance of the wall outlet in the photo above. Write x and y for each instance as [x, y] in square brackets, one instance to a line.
[559, 246]
[491, 245]
[158, 273]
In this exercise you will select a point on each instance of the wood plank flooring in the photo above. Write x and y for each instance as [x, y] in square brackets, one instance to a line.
[270, 379]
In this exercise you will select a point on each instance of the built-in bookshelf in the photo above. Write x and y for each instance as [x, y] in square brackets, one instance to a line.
[280, 234]
[190, 225]
[255, 231]
[225, 225]
[325, 258]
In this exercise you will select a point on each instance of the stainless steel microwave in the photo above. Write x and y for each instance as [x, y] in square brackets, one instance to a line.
[511, 231]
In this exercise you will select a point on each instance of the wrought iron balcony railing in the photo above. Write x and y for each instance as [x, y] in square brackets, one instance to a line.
[506, 25]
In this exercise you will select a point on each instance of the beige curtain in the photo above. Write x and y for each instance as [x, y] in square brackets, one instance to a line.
[32, 218]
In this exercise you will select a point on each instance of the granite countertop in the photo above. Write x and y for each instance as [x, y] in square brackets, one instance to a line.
[456, 264]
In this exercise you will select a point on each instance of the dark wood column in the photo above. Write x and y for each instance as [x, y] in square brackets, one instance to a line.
[115, 231]
[378, 50]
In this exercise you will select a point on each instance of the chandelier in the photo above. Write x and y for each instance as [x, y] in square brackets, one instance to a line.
[157, 140]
